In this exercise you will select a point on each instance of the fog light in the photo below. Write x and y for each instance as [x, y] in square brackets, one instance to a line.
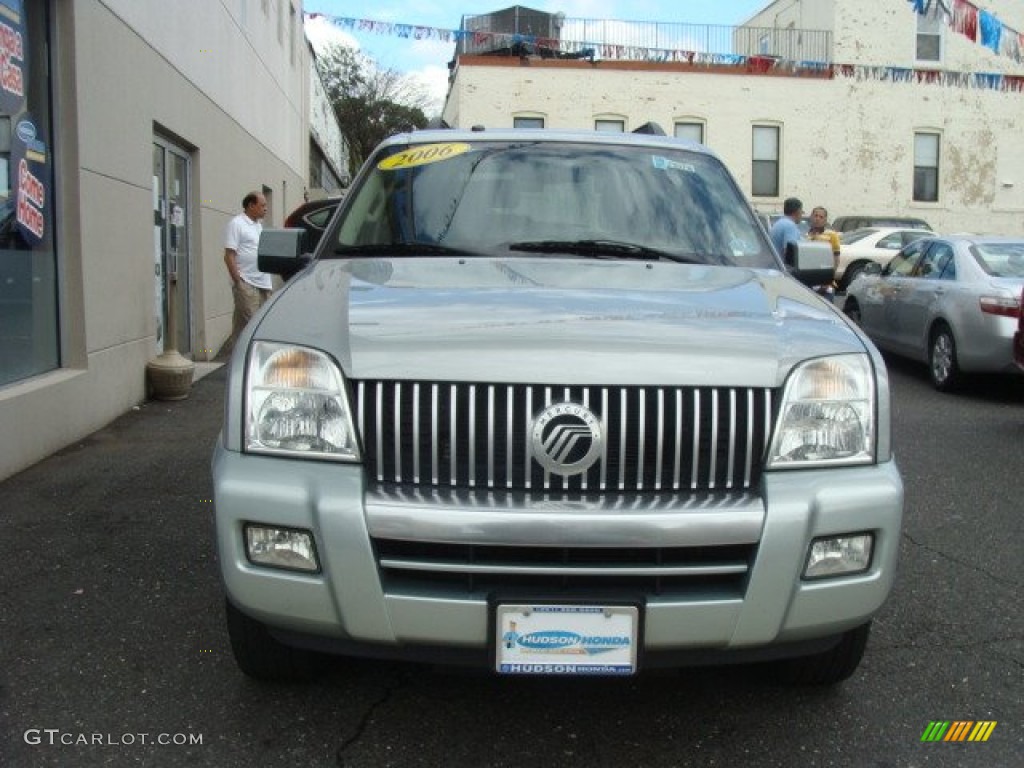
[839, 555]
[288, 548]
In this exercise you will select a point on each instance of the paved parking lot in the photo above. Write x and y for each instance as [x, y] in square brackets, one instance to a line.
[114, 652]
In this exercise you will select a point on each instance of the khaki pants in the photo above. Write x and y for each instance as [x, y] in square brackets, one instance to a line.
[248, 299]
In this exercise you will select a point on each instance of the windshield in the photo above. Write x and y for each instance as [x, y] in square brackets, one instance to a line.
[531, 197]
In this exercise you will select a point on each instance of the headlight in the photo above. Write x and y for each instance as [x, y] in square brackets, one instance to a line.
[295, 403]
[827, 417]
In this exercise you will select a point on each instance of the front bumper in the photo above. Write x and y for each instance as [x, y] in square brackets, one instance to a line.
[354, 604]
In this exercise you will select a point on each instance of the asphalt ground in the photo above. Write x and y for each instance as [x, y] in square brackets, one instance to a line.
[105, 610]
[113, 650]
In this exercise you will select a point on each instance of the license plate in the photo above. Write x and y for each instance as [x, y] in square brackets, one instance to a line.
[566, 639]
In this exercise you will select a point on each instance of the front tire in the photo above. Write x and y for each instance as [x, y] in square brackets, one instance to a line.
[262, 657]
[942, 365]
[829, 668]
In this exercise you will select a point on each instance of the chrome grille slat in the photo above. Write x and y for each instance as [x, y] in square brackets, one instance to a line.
[714, 439]
[604, 456]
[416, 433]
[622, 438]
[569, 570]
[397, 426]
[435, 455]
[472, 436]
[509, 422]
[453, 443]
[696, 441]
[490, 436]
[447, 435]
[380, 434]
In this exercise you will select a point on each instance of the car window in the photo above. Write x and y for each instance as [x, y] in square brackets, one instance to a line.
[902, 264]
[856, 235]
[934, 263]
[893, 241]
[320, 218]
[909, 236]
[1000, 259]
[482, 197]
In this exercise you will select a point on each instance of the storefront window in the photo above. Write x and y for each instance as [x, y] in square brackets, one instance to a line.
[28, 274]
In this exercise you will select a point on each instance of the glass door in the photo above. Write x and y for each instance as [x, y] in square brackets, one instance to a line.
[172, 257]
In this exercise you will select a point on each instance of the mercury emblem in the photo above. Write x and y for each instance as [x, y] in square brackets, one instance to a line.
[567, 438]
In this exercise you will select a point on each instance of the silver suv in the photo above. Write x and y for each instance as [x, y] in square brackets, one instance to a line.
[549, 403]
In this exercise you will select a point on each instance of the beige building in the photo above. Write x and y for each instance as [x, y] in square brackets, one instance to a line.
[863, 106]
[129, 132]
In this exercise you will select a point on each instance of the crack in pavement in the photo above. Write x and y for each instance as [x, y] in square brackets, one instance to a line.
[958, 561]
[364, 722]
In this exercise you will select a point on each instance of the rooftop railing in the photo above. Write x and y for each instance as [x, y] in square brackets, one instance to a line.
[518, 31]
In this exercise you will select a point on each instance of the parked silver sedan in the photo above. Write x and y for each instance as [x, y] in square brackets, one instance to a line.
[952, 302]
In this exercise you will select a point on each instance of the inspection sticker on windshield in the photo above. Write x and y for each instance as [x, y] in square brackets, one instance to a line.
[664, 164]
[566, 639]
[422, 155]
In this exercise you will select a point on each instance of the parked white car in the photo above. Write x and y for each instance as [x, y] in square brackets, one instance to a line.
[878, 244]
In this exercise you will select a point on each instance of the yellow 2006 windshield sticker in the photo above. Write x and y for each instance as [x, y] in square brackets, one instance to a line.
[422, 155]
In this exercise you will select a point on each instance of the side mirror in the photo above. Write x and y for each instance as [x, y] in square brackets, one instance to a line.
[871, 268]
[282, 251]
[811, 262]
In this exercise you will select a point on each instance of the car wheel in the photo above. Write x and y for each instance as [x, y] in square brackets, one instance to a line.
[852, 310]
[945, 373]
[262, 657]
[849, 275]
[828, 668]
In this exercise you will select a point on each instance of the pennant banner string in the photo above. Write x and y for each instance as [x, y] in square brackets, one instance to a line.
[976, 24]
[1005, 40]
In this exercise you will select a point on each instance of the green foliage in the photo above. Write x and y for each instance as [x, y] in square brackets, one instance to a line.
[371, 102]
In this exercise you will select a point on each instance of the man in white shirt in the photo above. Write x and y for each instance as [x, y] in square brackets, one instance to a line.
[249, 287]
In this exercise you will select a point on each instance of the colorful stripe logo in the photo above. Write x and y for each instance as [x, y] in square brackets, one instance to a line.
[958, 730]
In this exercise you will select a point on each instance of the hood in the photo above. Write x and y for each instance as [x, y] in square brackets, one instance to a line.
[558, 321]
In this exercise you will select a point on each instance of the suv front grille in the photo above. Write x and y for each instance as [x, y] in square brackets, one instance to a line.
[478, 435]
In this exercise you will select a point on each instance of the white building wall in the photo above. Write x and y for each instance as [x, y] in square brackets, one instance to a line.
[214, 76]
[324, 125]
[847, 143]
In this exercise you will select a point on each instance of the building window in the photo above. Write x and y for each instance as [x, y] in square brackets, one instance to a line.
[610, 126]
[765, 168]
[527, 122]
[929, 35]
[29, 331]
[692, 131]
[926, 167]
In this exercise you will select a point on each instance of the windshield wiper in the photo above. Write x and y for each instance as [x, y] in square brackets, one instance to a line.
[401, 249]
[602, 249]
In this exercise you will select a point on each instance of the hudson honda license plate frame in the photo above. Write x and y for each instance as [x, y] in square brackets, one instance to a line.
[566, 638]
